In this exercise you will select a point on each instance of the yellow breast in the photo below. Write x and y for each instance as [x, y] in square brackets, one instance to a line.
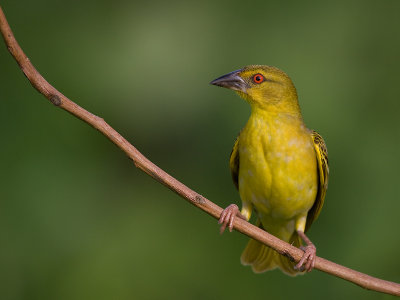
[278, 167]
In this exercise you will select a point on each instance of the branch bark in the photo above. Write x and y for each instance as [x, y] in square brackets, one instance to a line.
[141, 162]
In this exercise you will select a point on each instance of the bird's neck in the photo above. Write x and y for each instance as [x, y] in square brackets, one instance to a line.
[287, 105]
[272, 113]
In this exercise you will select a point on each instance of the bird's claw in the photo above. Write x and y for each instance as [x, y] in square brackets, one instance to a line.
[227, 217]
[307, 262]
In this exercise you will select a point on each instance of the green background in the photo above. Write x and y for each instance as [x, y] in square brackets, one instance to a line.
[79, 221]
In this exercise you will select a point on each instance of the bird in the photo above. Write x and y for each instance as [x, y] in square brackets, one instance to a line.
[279, 166]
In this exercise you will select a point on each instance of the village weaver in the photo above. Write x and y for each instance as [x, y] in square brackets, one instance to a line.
[279, 166]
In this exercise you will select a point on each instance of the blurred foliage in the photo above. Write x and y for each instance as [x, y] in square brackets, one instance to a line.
[78, 221]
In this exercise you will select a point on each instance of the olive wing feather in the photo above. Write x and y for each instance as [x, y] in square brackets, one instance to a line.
[323, 175]
[234, 163]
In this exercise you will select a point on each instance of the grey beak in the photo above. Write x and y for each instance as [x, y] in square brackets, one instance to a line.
[231, 81]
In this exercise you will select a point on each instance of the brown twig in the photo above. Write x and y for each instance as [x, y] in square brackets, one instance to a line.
[141, 162]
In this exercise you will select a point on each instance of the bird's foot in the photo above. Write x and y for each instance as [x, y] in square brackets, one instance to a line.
[307, 262]
[227, 217]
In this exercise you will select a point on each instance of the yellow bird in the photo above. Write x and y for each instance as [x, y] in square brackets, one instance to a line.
[279, 166]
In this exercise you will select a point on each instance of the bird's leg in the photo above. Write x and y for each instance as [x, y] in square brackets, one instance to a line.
[227, 217]
[309, 256]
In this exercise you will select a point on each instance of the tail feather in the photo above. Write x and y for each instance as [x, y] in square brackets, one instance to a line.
[263, 258]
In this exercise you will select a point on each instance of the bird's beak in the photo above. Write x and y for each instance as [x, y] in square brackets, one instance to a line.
[231, 81]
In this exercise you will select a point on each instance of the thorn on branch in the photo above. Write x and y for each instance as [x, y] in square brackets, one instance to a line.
[56, 100]
[199, 199]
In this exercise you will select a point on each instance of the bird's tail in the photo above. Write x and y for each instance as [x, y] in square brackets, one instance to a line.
[262, 258]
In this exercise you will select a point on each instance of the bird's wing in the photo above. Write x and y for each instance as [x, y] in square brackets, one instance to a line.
[234, 163]
[323, 174]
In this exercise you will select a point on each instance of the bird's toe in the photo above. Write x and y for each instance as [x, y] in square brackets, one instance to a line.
[307, 262]
[227, 217]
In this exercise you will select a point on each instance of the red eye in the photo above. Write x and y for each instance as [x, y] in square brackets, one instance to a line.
[258, 78]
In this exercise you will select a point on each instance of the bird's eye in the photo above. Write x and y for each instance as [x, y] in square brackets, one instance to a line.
[258, 78]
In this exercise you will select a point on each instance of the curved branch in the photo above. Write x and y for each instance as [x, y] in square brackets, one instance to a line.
[141, 162]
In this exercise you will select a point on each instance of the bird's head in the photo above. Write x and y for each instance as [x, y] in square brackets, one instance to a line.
[263, 87]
